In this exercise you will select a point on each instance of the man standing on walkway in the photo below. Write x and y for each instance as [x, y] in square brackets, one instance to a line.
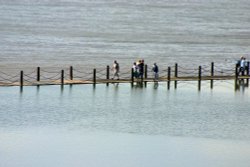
[115, 70]
[155, 69]
[242, 65]
[141, 68]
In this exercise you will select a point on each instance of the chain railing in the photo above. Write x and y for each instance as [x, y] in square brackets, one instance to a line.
[71, 75]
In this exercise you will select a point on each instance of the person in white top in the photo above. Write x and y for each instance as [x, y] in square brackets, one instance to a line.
[242, 65]
[135, 68]
[115, 70]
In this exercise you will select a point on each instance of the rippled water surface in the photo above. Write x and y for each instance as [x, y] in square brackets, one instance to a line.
[87, 34]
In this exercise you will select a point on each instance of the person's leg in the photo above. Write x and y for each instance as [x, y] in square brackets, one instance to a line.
[242, 71]
[117, 74]
[114, 74]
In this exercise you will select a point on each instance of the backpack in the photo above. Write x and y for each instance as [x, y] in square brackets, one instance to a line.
[155, 68]
[117, 67]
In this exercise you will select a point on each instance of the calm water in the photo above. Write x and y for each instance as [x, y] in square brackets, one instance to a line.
[82, 33]
[118, 124]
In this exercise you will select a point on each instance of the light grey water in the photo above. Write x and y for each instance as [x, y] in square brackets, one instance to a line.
[88, 34]
[120, 125]
[221, 113]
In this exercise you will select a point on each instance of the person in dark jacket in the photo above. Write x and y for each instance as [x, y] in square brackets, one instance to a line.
[155, 69]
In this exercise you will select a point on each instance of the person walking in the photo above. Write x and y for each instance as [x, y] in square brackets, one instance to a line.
[155, 69]
[116, 70]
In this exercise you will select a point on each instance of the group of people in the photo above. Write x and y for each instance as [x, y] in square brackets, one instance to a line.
[242, 65]
[138, 70]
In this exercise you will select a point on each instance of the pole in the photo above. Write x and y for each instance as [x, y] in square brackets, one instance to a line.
[94, 76]
[146, 74]
[175, 75]
[62, 77]
[247, 74]
[71, 72]
[107, 74]
[212, 69]
[169, 76]
[21, 78]
[38, 74]
[236, 78]
[248, 68]
[199, 78]
[236, 72]
[146, 71]
[132, 75]
[176, 70]
[212, 74]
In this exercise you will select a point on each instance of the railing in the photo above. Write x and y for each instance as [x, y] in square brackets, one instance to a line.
[72, 75]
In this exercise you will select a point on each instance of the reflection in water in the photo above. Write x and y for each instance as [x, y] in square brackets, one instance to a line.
[151, 110]
[175, 84]
[37, 89]
[241, 84]
[86, 122]
[139, 84]
[116, 85]
[94, 86]
[21, 89]
[116, 90]
[70, 89]
[211, 84]
[156, 84]
[62, 88]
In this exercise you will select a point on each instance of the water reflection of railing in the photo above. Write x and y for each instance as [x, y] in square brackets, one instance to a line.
[174, 73]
